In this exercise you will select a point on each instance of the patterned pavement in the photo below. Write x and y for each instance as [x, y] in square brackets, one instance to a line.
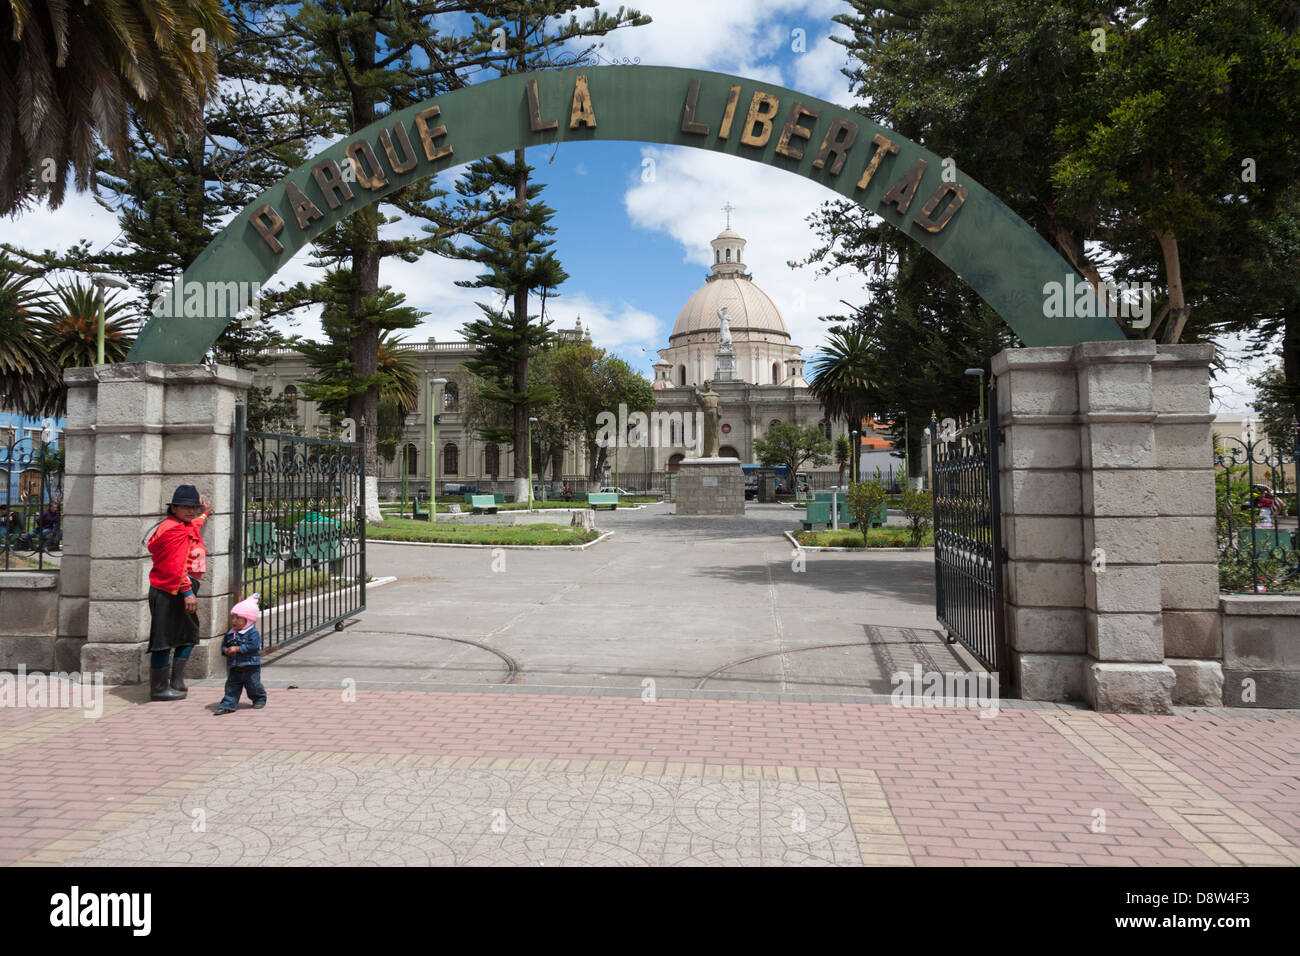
[323, 777]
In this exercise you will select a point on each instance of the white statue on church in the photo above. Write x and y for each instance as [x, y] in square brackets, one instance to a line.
[724, 331]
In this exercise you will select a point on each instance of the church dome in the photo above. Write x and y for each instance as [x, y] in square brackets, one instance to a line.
[751, 315]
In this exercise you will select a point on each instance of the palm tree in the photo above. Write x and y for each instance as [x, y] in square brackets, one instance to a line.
[71, 72]
[28, 376]
[69, 330]
[841, 376]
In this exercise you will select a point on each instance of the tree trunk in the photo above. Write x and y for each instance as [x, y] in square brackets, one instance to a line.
[365, 271]
[523, 466]
[1178, 311]
[1291, 356]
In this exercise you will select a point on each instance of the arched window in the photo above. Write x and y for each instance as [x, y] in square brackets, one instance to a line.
[726, 451]
[412, 458]
[492, 461]
[776, 373]
[450, 397]
[291, 397]
[450, 459]
[675, 462]
[728, 255]
[717, 256]
[681, 375]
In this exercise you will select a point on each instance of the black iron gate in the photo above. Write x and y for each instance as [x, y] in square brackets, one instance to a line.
[299, 530]
[968, 554]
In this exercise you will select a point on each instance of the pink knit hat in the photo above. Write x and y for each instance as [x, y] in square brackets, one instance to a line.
[247, 609]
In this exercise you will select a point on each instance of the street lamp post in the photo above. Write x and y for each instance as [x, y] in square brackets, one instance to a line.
[978, 372]
[433, 448]
[100, 282]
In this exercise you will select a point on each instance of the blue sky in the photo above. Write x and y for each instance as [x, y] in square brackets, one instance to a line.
[636, 250]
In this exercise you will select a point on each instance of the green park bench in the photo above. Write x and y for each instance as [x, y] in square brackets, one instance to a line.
[416, 513]
[1265, 542]
[499, 496]
[819, 513]
[260, 543]
[597, 498]
[317, 539]
[482, 503]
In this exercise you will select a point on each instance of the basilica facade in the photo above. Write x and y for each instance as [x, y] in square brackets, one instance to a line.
[731, 333]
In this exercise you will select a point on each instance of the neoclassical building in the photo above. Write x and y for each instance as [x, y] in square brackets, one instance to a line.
[730, 332]
[462, 456]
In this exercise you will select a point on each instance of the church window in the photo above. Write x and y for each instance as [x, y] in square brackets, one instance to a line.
[681, 375]
[728, 255]
[776, 373]
[450, 459]
[412, 459]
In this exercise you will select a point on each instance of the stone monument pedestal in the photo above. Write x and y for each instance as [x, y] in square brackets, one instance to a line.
[710, 486]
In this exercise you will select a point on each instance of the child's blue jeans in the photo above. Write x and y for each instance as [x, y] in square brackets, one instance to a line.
[239, 679]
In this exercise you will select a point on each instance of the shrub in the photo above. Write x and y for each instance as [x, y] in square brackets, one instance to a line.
[918, 507]
[864, 500]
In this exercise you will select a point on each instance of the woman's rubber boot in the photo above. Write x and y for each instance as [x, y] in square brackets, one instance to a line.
[178, 676]
[158, 685]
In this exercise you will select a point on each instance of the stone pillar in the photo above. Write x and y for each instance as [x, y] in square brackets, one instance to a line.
[1108, 514]
[1189, 573]
[135, 432]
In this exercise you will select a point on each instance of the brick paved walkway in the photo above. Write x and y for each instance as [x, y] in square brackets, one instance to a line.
[426, 776]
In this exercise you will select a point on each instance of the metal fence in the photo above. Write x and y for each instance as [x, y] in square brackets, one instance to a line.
[299, 530]
[31, 500]
[968, 554]
[1255, 514]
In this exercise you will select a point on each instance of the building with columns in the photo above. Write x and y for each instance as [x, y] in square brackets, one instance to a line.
[462, 457]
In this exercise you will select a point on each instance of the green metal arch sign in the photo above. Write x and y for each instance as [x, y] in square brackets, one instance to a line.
[1004, 260]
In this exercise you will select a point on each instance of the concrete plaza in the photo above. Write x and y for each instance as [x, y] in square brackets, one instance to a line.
[504, 717]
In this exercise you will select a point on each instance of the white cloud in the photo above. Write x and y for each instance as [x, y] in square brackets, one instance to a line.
[1233, 393]
[771, 208]
[733, 37]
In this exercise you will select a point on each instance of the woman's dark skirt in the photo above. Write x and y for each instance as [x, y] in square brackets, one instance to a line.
[171, 625]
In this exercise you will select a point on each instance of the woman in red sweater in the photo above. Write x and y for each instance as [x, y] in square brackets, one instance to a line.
[179, 560]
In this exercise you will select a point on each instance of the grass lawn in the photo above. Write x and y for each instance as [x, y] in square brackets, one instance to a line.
[405, 529]
[849, 538]
[282, 584]
[538, 504]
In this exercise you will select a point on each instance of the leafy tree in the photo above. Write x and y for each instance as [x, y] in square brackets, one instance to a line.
[268, 412]
[27, 373]
[588, 383]
[864, 501]
[395, 380]
[843, 452]
[918, 509]
[1275, 406]
[73, 71]
[518, 262]
[788, 444]
[1082, 117]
